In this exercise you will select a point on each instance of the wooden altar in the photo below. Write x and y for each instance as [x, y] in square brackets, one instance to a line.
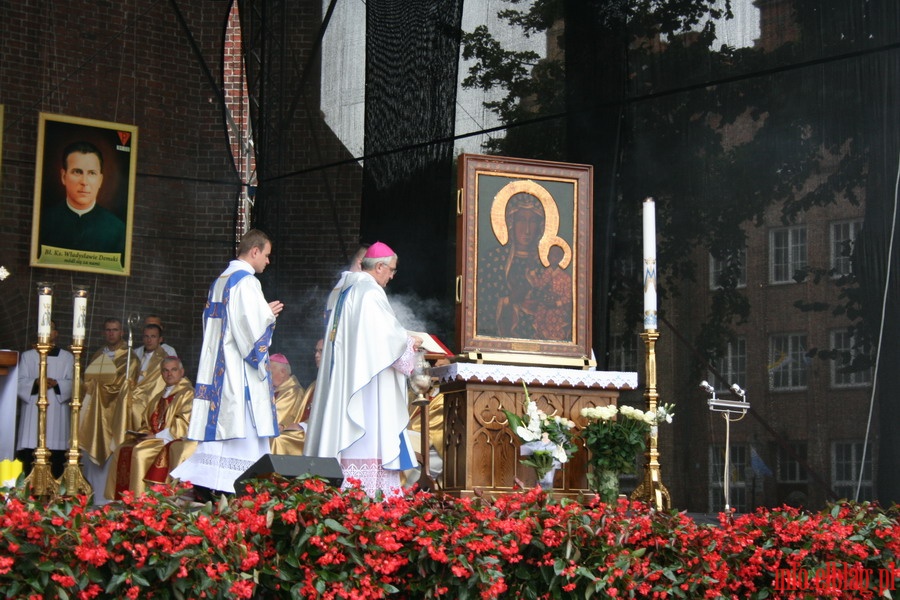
[481, 453]
[8, 360]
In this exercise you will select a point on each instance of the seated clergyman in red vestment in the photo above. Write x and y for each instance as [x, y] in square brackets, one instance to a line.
[150, 454]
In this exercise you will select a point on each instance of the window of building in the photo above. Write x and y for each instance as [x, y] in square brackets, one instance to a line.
[739, 462]
[788, 362]
[787, 253]
[627, 266]
[790, 461]
[843, 236]
[734, 266]
[843, 342]
[623, 352]
[846, 462]
[732, 366]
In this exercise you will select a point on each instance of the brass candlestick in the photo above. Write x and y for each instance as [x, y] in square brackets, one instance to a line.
[651, 489]
[73, 482]
[426, 481]
[420, 382]
[40, 481]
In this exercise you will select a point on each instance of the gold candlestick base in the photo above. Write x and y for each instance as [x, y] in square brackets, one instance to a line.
[40, 481]
[652, 490]
[73, 482]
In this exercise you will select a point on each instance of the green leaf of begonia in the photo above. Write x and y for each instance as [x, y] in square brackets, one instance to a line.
[115, 582]
[335, 526]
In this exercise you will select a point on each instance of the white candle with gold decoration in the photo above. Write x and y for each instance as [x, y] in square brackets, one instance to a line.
[79, 315]
[45, 310]
[650, 320]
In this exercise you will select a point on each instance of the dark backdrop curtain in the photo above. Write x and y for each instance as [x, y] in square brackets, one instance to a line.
[874, 267]
[412, 51]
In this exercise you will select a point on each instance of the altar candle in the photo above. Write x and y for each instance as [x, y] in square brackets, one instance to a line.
[79, 315]
[649, 264]
[45, 310]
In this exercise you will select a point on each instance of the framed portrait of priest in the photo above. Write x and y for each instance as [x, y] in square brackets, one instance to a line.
[84, 194]
[524, 252]
[1, 143]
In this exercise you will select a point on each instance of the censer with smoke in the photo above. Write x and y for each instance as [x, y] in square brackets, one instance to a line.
[420, 378]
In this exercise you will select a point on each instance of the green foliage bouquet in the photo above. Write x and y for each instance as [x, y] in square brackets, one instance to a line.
[614, 436]
[546, 441]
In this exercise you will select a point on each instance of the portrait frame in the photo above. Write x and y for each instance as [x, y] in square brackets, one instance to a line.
[1, 143]
[97, 238]
[524, 256]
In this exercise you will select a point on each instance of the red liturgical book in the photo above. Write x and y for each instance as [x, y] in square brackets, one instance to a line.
[433, 347]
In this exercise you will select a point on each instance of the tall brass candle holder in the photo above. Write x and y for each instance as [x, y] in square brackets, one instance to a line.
[651, 489]
[73, 482]
[420, 382]
[40, 481]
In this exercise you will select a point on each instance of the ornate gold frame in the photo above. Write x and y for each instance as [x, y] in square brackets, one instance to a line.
[504, 311]
[117, 143]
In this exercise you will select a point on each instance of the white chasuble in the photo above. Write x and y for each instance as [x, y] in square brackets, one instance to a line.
[359, 412]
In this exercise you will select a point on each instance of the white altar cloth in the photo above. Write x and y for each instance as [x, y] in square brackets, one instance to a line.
[530, 375]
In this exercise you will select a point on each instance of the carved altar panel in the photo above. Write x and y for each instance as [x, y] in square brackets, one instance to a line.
[480, 451]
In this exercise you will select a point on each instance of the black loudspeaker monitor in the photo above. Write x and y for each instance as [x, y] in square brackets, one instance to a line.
[289, 466]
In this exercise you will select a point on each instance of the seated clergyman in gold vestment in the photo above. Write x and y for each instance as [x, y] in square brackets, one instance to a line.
[104, 380]
[133, 400]
[160, 446]
[290, 403]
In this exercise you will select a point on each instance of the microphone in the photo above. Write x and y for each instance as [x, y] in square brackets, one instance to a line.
[704, 385]
[737, 390]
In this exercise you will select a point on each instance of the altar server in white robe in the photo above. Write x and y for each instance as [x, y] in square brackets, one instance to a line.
[60, 366]
[359, 411]
[233, 414]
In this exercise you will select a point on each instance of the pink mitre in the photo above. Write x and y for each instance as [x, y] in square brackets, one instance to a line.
[278, 358]
[379, 250]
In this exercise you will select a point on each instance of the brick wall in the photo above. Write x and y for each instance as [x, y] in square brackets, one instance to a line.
[135, 64]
